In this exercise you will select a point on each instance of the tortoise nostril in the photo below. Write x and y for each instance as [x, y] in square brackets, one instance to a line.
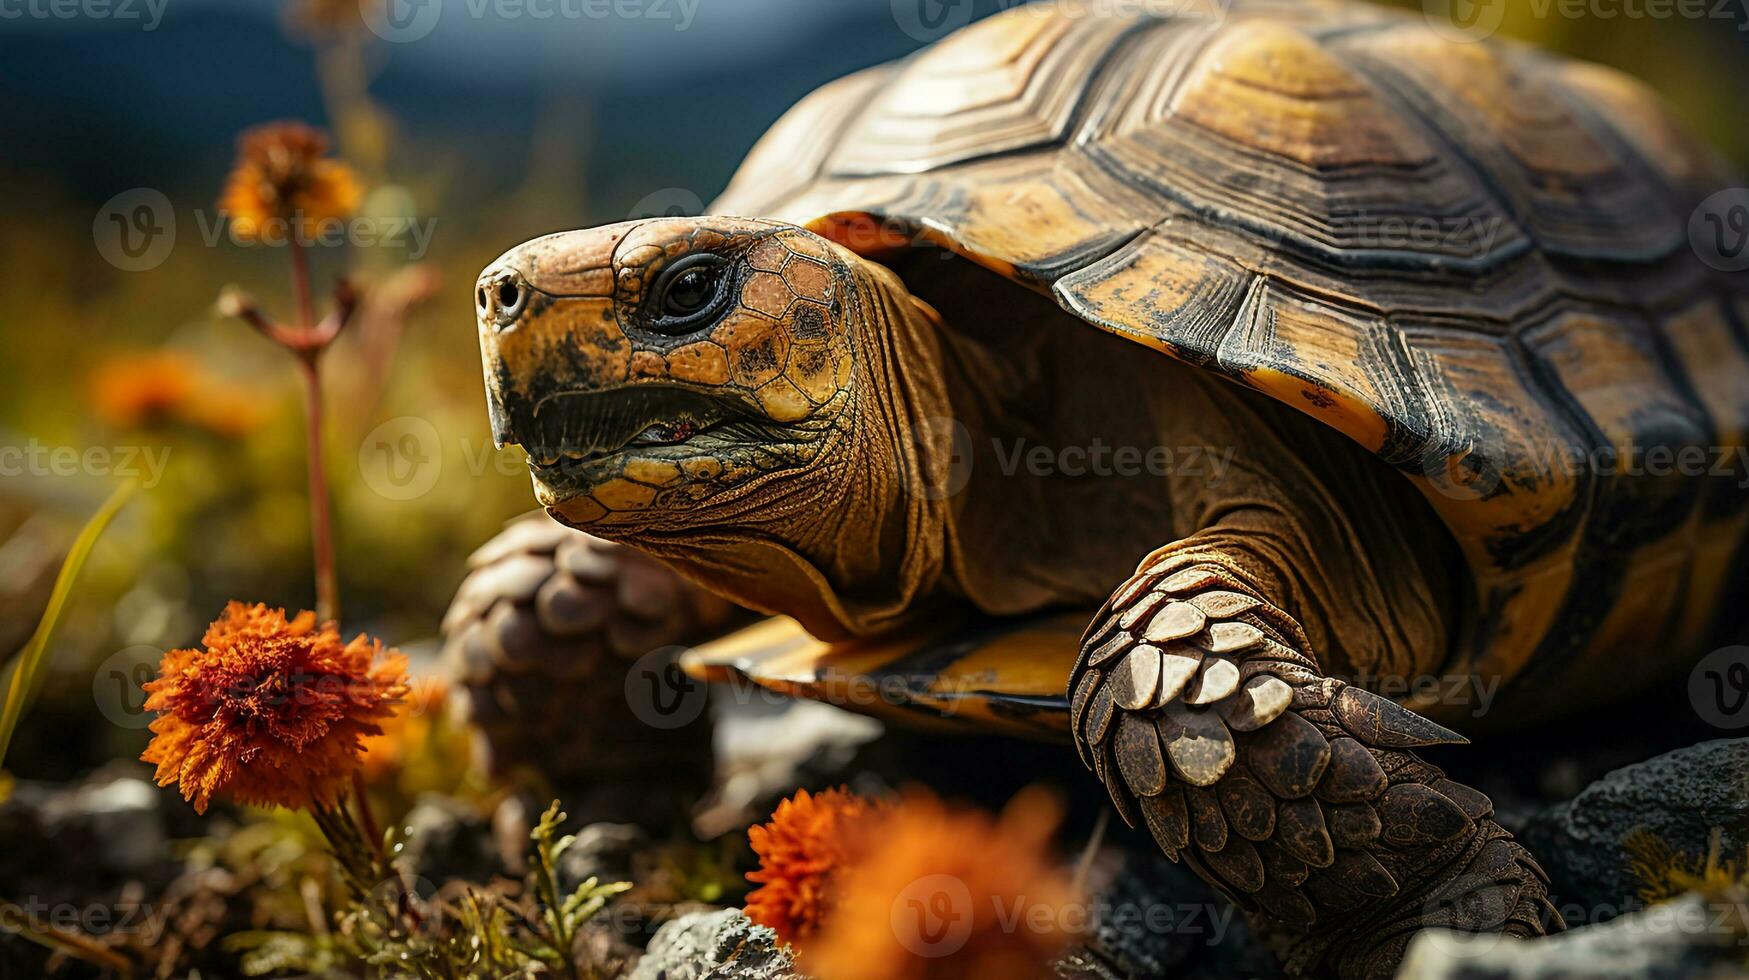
[502, 297]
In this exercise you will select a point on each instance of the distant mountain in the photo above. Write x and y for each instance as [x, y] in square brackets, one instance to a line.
[101, 106]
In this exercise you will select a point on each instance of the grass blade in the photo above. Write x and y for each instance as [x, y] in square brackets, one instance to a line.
[30, 661]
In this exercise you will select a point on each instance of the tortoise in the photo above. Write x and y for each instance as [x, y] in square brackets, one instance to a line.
[1187, 389]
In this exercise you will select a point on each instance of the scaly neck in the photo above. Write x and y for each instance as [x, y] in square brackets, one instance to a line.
[854, 548]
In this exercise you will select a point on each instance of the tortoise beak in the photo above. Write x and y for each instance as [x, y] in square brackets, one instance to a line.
[545, 315]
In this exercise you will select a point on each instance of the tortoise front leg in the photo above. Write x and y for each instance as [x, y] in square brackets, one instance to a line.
[1198, 702]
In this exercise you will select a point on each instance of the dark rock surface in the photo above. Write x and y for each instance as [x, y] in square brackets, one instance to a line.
[1679, 797]
[1152, 918]
[603, 851]
[446, 838]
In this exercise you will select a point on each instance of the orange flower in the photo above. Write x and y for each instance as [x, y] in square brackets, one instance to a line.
[160, 388]
[801, 851]
[271, 712]
[283, 184]
[141, 391]
[947, 892]
[413, 723]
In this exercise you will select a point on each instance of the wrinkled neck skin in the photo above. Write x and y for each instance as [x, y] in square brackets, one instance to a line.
[849, 543]
[916, 499]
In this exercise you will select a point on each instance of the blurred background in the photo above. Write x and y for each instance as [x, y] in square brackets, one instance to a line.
[472, 125]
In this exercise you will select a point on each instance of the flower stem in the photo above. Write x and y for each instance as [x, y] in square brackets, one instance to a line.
[366, 818]
[368, 821]
[321, 530]
[301, 286]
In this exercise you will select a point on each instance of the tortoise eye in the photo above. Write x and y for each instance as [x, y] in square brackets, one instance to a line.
[688, 293]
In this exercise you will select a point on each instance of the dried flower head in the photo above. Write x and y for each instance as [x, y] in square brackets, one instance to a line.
[808, 841]
[415, 723]
[163, 388]
[271, 711]
[948, 892]
[284, 184]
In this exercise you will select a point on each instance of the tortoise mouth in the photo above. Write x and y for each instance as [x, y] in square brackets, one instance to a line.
[570, 428]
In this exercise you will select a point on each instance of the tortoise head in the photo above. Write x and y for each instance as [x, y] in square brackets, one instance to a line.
[657, 371]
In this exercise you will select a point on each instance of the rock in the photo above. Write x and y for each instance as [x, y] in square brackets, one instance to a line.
[447, 839]
[603, 851]
[1679, 797]
[1690, 938]
[722, 945]
[766, 751]
[1153, 918]
[123, 817]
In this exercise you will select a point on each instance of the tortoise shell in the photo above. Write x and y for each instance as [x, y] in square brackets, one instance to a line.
[1471, 258]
